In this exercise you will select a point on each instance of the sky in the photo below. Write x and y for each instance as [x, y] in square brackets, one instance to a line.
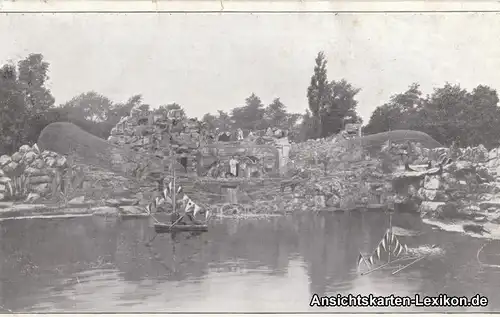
[206, 62]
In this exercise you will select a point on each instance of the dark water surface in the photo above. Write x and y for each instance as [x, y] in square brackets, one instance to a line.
[276, 264]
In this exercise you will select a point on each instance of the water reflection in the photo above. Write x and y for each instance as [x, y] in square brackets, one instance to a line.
[275, 264]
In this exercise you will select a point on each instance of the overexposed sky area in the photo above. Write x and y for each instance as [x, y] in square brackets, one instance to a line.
[207, 62]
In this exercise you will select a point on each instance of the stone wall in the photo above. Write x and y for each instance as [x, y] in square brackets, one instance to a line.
[29, 170]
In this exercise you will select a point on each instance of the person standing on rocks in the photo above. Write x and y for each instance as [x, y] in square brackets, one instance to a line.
[233, 166]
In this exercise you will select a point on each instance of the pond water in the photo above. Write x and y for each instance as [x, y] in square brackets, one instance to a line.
[276, 264]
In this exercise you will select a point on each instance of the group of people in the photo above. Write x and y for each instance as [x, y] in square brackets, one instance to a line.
[228, 136]
[238, 135]
[277, 133]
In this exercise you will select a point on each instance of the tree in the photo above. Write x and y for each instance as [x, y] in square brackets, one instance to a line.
[250, 116]
[209, 119]
[385, 118]
[483, 117]
[145, 107]
[294, 125]
[445, 114]
[33, 74]
[275, 114]
[450, 114]
[23, 101]
[119, 110]
[318, 91]
[306, 127]
[90, 106]
[12, 109]
[339, 107]
[164, 109]
[224, 121]
[292, 119]
[401, 112]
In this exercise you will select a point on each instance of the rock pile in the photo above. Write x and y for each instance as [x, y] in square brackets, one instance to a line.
[336, 177]
[36, 170]
[462, 185]
[144, 131]
[343, 178]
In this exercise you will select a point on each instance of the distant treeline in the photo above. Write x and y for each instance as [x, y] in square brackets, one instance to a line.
[449, 114]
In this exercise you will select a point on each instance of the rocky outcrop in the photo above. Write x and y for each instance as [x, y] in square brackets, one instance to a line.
[336, 177]
[29, 173]
[362, 177]
[456, 190]
[159, 135]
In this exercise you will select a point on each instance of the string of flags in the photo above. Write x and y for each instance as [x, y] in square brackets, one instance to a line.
[389, 243]
[190, 205]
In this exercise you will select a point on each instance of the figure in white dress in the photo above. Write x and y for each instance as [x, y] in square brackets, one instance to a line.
[233, 166]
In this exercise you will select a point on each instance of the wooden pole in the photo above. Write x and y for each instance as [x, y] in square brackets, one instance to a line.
[404, 267]
[390, 236]
[174, 202]
[386, 264]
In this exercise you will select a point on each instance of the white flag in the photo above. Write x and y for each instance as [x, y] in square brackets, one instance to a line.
[370, 260]
[185, 198]
[159, 201]
[189, 205]
[196, 209]
[166, 196]
[400, 250]
[378, 251]
[383, 243]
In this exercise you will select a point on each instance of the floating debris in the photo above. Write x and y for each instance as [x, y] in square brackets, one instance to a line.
[427, 250]
[398, 231]
[475, 228]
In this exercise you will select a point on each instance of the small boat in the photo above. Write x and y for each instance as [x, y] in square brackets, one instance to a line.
[161, 227]
[167, 227]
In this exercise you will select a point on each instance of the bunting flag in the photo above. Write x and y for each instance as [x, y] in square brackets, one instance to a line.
[389, 243]
[166, 193]
[207, 214]
[9, 187]
[378, 250]
[360, 259]
[400, 250]
[159, 201]
[393, 237]
[148, 208]
[370, 260]
[189, 205]
[384, 242]
[197, 209]
[166, 196]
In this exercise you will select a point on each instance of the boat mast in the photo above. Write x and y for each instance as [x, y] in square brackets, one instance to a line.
[174, 203]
